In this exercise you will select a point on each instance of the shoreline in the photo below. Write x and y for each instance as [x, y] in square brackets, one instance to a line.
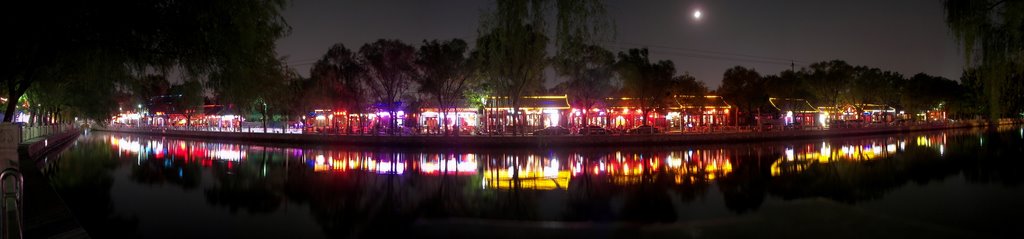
[541, 141]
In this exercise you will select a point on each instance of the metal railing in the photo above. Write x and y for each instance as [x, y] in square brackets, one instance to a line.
[11, 183]
[43, 130]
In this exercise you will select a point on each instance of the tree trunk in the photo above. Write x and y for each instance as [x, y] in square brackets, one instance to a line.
[11, 107]
[14, 92]
[516, 122]
[392, 122]
[586, 113]
[33, 116]
[443, 121]
[360, 116]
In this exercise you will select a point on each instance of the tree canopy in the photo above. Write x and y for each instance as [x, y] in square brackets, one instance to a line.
[745, 88]
[444, 73]
[644, 80]
[103, 44]
[390, 72]
[511, 50]
[991, 34]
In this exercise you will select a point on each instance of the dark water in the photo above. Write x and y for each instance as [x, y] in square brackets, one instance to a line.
[963, 181]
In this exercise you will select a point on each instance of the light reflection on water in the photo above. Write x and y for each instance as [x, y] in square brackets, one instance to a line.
[345, 188]
[533, 171]
[500, 171]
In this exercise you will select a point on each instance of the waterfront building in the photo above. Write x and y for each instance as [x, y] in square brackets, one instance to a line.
[537, 112]
[866, 113]
[794, 113]
[463, 118]
[698, 111]
[625, 113]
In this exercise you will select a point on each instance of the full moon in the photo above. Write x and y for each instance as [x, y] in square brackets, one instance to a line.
[696, 14]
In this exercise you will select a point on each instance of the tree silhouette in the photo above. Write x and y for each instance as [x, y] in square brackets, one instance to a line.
[589, 76]
[990, 35]
[511, 51]
[645, 81]
[338, 77]
[227, 41]
[444, 73]
[390, 72]
[746, 89]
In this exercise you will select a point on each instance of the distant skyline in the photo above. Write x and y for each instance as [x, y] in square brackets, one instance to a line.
[905, 36]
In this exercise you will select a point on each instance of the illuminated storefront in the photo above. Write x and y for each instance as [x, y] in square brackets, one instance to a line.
[625, 113]
[461, 118]
[864, 112]
[538, 112]
[795, 113]
[695, 111]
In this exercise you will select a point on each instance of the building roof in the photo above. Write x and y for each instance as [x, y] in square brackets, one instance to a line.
[547, 102]
[853, 108]
[217, 110]
[620, 103]
[709, 101]
[460, 104]
[794, 105]
[877, 108]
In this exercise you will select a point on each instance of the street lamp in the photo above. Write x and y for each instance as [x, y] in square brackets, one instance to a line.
[139, 113]
[264, 116]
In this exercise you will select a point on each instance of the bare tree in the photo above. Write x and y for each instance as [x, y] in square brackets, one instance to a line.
[390, 72]
[443, 73]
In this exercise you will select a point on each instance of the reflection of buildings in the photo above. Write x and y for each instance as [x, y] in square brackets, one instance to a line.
[391, 163]
[355, 161]
[684, 167]
[178, 149]
[457, 164]
[531, 173]
[799, 158]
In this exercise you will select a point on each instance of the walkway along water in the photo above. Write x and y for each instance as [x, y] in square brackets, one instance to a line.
[30, 206]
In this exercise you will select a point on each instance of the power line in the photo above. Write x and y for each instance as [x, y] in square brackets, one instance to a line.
[710, 52]
[717, 58]
[313, 60]
[712, 55]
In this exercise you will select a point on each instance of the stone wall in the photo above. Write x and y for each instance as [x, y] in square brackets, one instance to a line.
[538, 141]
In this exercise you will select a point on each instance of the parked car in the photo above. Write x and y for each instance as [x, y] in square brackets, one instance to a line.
[644, 129]
[593, 129]
[552, 130]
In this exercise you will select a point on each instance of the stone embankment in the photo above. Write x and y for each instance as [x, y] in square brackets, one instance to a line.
[545, 141]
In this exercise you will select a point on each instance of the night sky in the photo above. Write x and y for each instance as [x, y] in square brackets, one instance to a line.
[908, 36]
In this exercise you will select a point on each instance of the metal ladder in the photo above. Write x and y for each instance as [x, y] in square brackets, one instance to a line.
[11, 184]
